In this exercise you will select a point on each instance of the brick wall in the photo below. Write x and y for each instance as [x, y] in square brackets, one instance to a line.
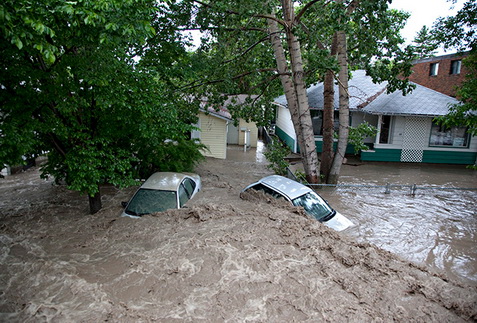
[444, 81]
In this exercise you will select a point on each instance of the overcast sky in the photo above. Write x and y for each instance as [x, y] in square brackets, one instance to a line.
[424, 12]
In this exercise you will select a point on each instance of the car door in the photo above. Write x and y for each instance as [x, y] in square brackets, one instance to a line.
[186, 190]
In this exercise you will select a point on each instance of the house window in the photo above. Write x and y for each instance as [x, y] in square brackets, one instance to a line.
[434, 69]
[455, 67]
[448, 137]
[317, 120]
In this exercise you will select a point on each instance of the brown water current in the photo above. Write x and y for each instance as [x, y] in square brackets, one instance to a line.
[231, 257]
[436, 226]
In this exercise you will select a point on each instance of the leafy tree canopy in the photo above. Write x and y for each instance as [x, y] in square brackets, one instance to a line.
[424, 43]
[237, 58]
[460, 32]
[71, 86]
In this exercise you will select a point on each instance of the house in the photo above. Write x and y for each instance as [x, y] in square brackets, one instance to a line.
[217, 129]
[406, 130]
[442, 73]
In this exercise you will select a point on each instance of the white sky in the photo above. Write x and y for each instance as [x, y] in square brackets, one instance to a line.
[424, 12]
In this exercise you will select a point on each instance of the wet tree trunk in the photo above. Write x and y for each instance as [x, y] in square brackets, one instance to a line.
[285, 78]
[343, 109]
[328, 120]
[95, 203]
[308, 150]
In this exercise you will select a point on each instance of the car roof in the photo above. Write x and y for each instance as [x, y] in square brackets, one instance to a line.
[285, 185]
[168, 181]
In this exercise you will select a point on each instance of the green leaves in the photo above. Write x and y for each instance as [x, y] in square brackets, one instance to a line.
[70, 87]
[275, 154]
[465, 113]
[460, 32]
[359, 133]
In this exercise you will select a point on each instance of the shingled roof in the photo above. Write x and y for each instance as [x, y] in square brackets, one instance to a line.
[372, 98]
[421, 102]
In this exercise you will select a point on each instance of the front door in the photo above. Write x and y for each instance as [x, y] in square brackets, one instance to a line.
[232, 134]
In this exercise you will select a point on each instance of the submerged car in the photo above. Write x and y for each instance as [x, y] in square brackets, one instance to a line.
[301, 195]
[162, 191]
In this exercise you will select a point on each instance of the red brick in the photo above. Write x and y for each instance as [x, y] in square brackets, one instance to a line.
[444, 81]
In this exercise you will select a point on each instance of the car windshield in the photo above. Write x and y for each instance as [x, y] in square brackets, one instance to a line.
[315, 206]
[148, 201]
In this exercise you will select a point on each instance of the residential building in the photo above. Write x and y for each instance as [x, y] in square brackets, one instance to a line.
[442, 73]
[406, 128]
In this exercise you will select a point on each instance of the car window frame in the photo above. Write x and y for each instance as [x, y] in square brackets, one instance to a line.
[269, 191]
[187, 186]
[190, 190]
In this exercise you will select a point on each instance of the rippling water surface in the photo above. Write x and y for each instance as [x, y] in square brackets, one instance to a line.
[437, 226]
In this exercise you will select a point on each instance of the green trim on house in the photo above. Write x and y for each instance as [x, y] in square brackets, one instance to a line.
[449, 157]
[289, 141]
[384, 155]
[429, 156]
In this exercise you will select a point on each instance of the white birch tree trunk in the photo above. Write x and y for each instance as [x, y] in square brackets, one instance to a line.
[308, 150]
[285, 78]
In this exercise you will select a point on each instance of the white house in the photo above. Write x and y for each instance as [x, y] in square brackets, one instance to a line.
[406, 130]
[217, 130]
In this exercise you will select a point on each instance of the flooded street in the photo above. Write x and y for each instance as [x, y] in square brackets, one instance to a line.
[231, 258]
[436, 226]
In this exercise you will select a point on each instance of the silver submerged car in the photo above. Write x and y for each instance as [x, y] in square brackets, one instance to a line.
[162, 191]
[301, 195]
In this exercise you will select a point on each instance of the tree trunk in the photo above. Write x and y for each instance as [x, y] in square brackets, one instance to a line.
[95, 202]
[343, 108]
[285, 78]
[308, 150]
[328, 119]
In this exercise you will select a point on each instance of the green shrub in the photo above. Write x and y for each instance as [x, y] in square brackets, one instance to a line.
[275, 154]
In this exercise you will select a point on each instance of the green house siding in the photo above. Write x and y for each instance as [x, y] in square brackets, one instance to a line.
[387, 155]
[429, 156]
[289, 141]
[449, 157]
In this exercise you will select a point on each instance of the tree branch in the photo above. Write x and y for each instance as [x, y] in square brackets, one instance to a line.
[305, 8]
[248, 49]
[196, 85]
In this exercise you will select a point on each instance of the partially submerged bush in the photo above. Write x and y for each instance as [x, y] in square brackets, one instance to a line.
[275, 154]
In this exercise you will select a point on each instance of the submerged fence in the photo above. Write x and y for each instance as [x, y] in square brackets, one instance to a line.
[387, 188]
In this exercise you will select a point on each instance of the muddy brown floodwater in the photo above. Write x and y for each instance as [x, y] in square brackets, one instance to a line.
[437, 226]
[230, 259]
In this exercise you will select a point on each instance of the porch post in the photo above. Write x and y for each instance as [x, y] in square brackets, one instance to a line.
[378, 134]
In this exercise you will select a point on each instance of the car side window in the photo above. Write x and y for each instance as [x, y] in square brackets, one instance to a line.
[267, 190]
[183, 195]
[189, 186]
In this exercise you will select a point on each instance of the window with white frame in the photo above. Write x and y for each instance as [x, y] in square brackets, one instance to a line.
[455, 67]
[434, 69]
[448, 137]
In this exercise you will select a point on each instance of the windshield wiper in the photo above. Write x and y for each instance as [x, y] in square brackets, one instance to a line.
[329, 216]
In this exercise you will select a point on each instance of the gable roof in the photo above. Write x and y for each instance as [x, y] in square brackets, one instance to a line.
[421, 102]
[361, 89]
[372, 98]
[223, 112]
